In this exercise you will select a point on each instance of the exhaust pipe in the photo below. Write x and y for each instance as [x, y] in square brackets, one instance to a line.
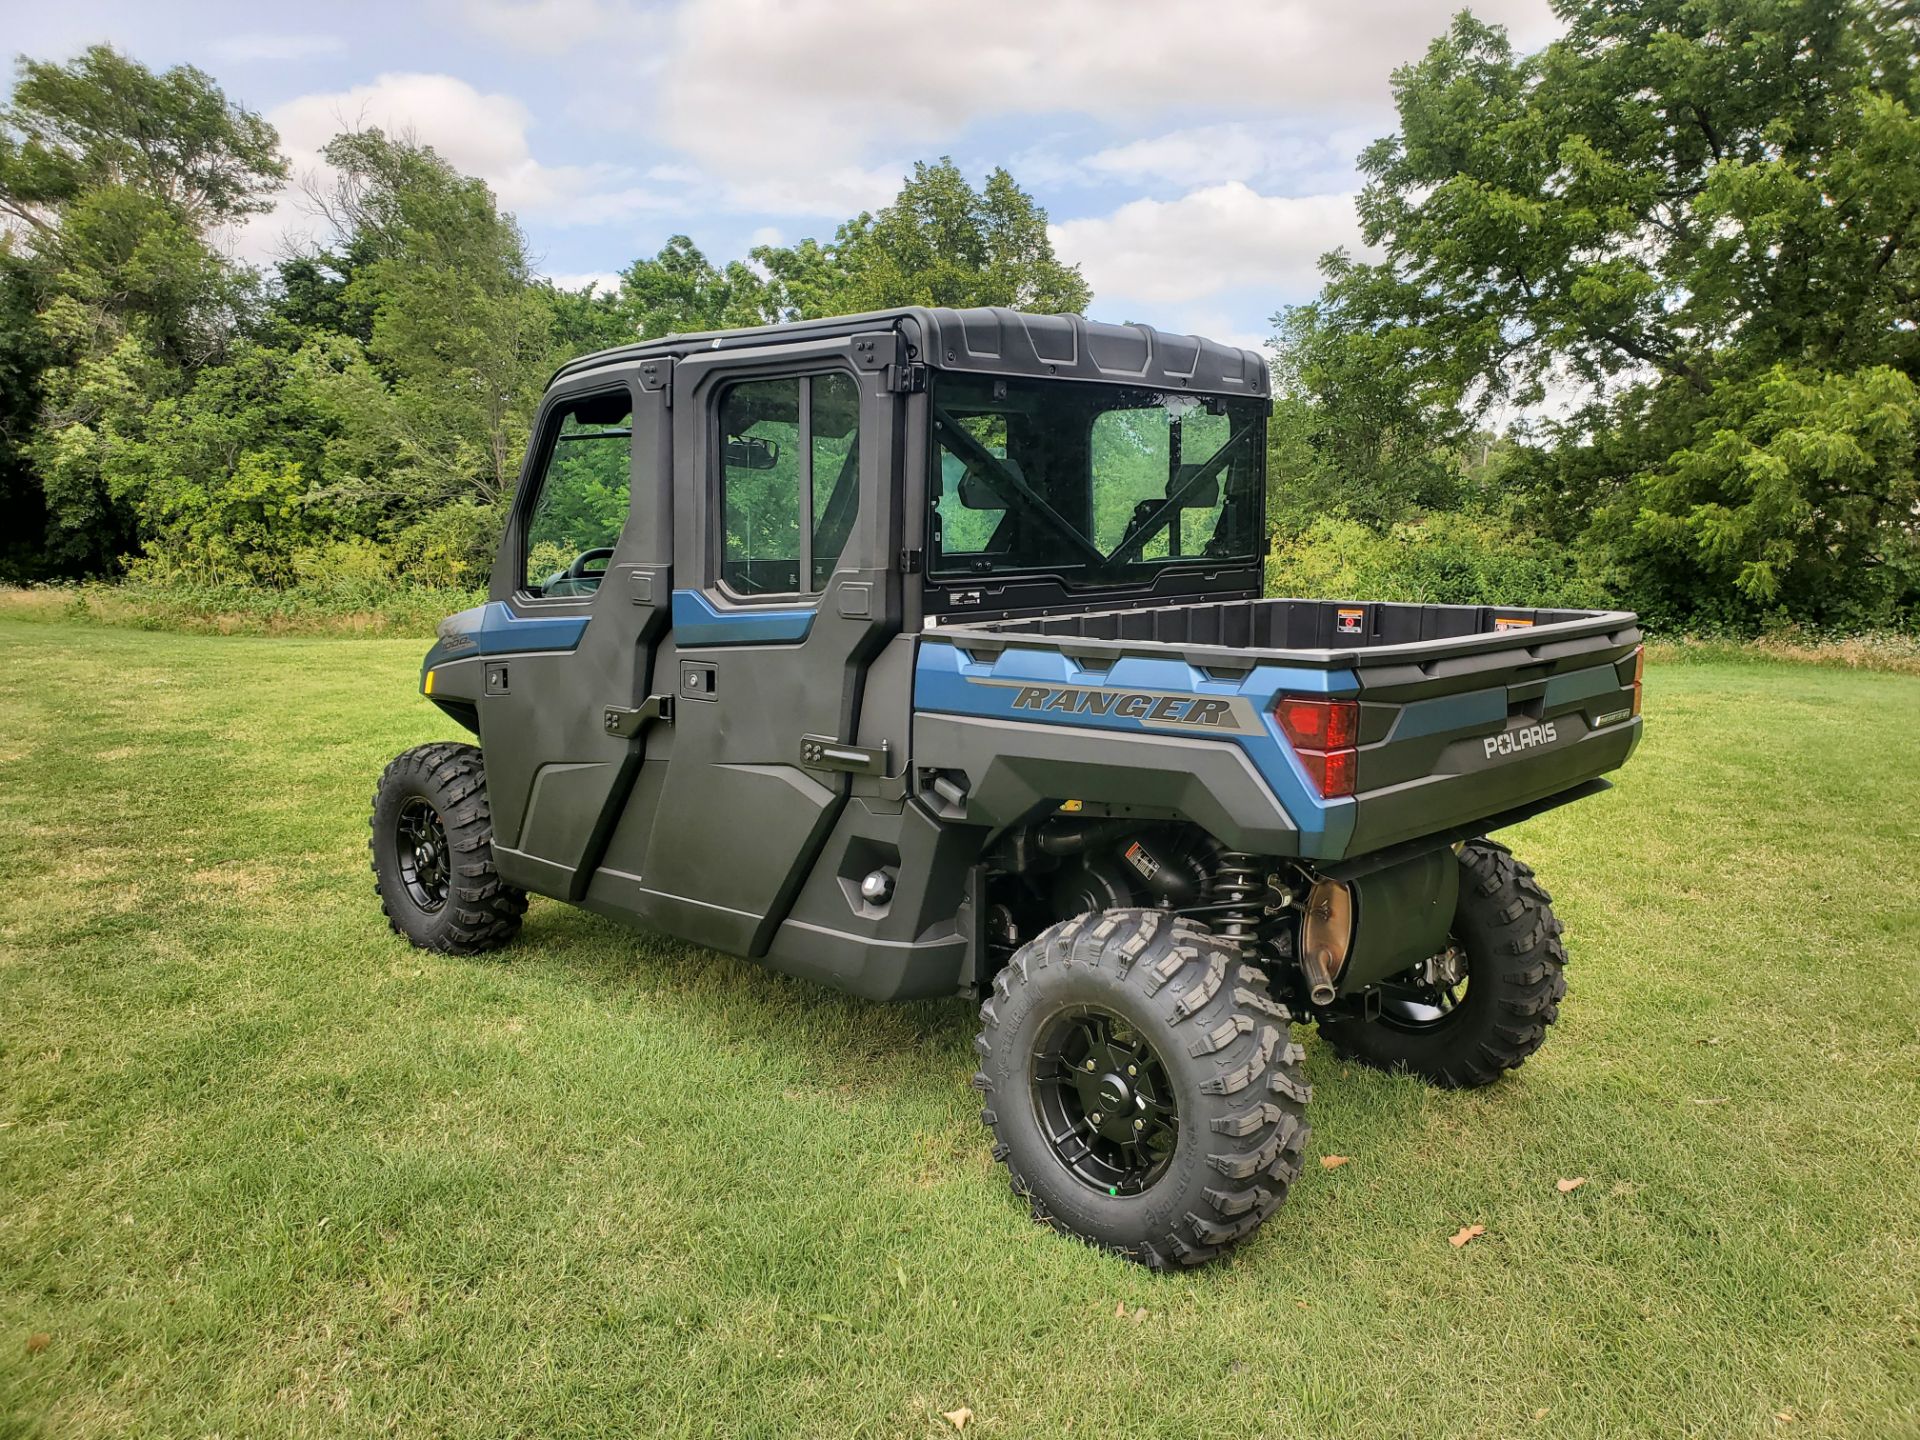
[1325, 936]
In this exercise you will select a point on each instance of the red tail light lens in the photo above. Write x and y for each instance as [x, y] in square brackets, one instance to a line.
[1331, 771]
[1319, 724]
[1323, 734]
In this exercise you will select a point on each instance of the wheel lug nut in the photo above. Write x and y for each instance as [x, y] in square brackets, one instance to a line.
[1095, 1117]
[1133, 1070]
[1139, 1124]
[1089, 1064]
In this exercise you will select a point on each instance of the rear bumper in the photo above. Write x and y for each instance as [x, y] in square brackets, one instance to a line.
[1475, 801]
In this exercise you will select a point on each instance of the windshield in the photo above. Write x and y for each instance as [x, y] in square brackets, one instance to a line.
[1098, 484]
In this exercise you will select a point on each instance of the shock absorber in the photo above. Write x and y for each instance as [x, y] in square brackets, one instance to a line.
[1238, 888]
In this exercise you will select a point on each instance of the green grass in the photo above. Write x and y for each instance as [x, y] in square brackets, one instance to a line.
[265, 1170]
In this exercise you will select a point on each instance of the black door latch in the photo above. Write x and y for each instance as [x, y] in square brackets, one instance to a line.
[624, 723]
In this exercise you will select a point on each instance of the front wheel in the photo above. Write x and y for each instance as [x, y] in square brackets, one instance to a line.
[433, 853]
[1142, 1086]
[1463, 1018]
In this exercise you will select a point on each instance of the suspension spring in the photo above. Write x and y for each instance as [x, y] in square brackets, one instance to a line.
[1238, 886]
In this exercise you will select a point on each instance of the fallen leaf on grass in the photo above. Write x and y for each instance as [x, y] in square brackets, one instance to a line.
[1564, 1186]
[38, 1342]
[958, 1418]
[1467, 1232]
[1139, 1314]
[1541, 1413]
[1333, 1162]
[1120, 1311]
[1715, 1100]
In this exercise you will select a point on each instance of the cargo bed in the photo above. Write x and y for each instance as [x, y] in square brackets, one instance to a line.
[1466, 713]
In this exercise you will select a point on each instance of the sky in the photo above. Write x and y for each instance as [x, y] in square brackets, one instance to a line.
[1196, 157]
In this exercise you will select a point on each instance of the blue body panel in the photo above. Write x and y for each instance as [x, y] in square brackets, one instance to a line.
[698, 621]
[493, 629]
[946, 681]
[501, 632]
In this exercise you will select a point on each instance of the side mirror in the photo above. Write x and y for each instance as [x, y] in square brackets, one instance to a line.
[976, 494]
[750, 452]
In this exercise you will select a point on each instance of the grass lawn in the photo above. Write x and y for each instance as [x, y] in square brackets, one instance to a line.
[266, 1170]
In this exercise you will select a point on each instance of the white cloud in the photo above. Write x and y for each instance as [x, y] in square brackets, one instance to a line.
[766, 88]
[811, 107]
[1212, 240]
[552, 27]
[1259, 154]
[478, 133]
[241, 48]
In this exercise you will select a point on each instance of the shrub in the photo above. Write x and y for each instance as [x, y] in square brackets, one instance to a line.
[1455, 559]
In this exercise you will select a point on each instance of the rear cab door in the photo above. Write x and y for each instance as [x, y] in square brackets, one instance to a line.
[786, 588]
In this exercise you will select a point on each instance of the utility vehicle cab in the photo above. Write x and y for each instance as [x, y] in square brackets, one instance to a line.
[922, 652]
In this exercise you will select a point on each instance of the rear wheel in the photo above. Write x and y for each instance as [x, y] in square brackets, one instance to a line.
[433, 853]
[1142, 1086]
[1466, 1016]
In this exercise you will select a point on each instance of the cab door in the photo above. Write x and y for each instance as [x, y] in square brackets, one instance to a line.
[579, 600]
[784, 593]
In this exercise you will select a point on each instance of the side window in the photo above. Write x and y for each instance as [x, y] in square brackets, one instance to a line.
[581, 505]
[789, 481]
[966, 509]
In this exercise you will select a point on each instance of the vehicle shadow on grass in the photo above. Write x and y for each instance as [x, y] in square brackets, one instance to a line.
[861, 1047]
[848, 1041]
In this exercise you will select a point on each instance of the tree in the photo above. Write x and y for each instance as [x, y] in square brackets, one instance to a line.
[459, 332]
[940, 242]
[679, 291]
[1664, 206]
[112, 178]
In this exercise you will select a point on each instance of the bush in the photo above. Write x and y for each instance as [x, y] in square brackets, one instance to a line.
[336, 606]
[1453, 559]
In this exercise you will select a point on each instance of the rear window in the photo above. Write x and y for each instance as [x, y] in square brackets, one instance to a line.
[1098, 484]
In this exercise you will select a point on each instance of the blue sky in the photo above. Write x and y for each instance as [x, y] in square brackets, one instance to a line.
[1196, 156]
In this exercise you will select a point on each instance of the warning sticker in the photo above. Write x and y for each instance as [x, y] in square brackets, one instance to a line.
[1504, 623]
[1349, 621]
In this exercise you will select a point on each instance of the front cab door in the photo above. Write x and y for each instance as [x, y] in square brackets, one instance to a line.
[579, 599]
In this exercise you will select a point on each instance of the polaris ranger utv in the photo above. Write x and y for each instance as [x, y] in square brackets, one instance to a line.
[923, 653]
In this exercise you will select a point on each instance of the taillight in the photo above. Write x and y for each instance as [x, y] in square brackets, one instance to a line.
[1324, 734]
[1639, 669]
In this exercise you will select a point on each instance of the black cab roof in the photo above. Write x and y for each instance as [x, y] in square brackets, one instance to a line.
[996, 341]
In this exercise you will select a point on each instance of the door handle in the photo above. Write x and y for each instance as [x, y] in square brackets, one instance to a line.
[823, 752]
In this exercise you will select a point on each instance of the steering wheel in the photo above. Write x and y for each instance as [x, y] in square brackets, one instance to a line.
[579, 571]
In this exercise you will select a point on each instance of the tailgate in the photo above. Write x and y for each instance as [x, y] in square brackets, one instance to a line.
[1453, 740]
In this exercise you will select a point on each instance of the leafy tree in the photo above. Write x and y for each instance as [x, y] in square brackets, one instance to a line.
[1684, 206]
[23, 356]
[112, 178]
[108, 123]
[1358, 431]
[459, 332]
[680, 291]
[940, 242]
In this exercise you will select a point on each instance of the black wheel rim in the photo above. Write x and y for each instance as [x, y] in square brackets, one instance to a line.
[1104, 1101]
[421, 840]
[1429, 995]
